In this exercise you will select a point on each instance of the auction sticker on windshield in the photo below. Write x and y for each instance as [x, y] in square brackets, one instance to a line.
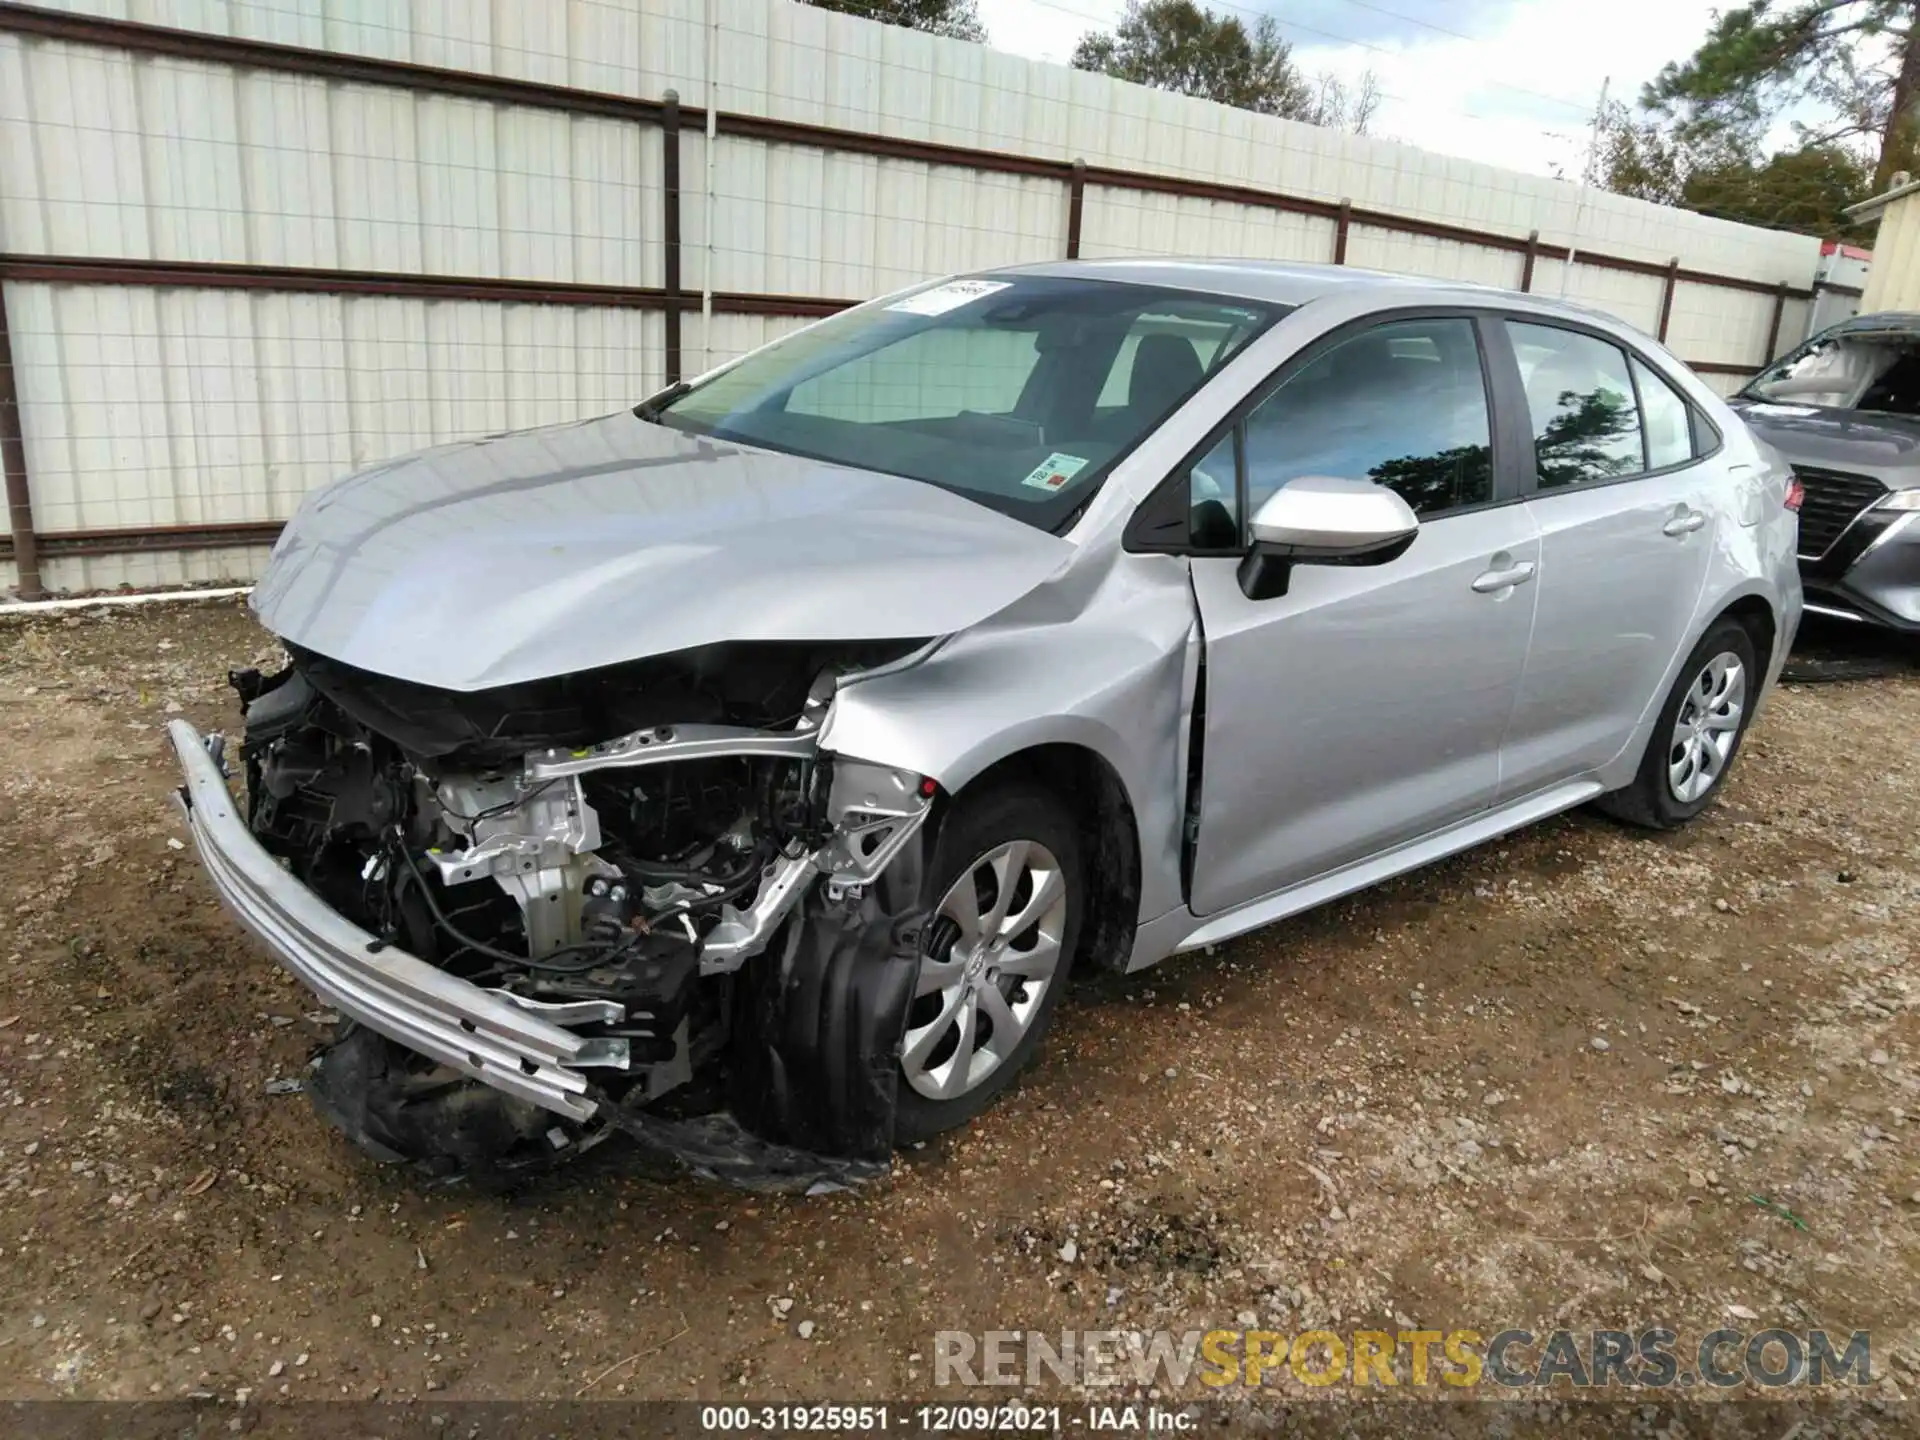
[1053, 472]
[950, 296]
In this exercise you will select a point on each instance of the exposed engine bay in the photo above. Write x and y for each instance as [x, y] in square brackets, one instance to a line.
[656, 856]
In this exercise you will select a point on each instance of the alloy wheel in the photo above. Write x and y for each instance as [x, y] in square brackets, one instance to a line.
[1706, 728]
[992, 952]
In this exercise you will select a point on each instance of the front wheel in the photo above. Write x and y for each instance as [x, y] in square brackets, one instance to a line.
[1006, 893]
[1697, 734]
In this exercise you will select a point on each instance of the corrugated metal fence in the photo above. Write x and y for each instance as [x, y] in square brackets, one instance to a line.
[247, 247]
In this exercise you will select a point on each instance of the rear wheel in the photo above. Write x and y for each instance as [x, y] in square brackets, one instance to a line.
[1006, 894]
[1697, 734]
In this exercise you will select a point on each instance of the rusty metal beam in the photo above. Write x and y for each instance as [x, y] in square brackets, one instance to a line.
[1666, 297]
[70, 270]
[1531, 253]
[733, 302]
[64, 269]
[1340, 227]
[1773, 326]
[135, 540]
[1076, 207]
[886, 147]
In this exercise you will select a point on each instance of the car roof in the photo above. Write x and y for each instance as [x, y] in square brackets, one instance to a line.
[1895, 321]
[1293, 284]
[1276, 281]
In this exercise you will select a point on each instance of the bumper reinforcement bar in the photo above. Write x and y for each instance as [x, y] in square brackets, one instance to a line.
[384, 988]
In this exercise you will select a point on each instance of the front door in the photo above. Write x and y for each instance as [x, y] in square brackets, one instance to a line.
[1366, 706]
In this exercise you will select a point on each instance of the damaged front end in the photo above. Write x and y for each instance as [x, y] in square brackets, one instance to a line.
[638, 900]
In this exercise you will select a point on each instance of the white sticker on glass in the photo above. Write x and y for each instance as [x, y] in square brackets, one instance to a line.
[1055, 471]
[950, 296]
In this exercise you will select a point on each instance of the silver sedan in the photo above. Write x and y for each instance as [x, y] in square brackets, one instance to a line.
[747, 773]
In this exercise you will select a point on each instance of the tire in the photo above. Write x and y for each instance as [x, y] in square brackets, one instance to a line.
[1678, 778]
[1036, 838]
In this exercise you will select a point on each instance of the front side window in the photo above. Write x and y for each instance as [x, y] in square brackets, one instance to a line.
[1853, 370]
[1020, 392]
[1585, 424]
[1403, 404]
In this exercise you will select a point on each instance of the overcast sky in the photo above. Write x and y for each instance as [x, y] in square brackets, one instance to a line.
[1510, 82]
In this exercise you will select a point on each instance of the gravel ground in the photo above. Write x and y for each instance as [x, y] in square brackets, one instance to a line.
[1536, 1086]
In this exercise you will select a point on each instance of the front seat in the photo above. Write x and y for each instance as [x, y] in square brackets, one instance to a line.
[1166, 369]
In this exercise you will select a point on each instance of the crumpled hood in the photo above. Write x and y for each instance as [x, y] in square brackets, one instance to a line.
[1886, 447]
[549, 551]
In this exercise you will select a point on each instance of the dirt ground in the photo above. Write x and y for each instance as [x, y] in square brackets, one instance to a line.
[1539, 1086]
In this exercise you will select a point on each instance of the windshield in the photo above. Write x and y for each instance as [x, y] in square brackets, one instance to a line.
[1857, 370]
[1019, 392]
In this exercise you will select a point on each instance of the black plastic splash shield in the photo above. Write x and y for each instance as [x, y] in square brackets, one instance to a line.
[814, 1062]
[399, 1109]
[717, 1147]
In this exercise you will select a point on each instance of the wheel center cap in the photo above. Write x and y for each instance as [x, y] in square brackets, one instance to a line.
[975, 965]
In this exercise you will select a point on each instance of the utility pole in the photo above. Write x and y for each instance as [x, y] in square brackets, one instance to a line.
[1586, 183]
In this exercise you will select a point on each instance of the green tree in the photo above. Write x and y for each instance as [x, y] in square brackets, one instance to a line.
[1805, 189]
[1180, 46]
[1714, 165]
[956, 19]
[1855, 61]
[1634, 154]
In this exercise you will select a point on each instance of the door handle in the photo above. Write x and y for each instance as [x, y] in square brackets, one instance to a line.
[1490, 582]
[1684, 523]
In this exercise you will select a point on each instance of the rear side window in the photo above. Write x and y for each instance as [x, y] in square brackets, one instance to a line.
[1586, 426]
[1403, 405]
[1669, 425]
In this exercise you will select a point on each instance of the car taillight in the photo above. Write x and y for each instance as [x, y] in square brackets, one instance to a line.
[1796, 492]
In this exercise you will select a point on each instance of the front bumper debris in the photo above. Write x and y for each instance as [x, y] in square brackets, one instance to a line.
[387, 990]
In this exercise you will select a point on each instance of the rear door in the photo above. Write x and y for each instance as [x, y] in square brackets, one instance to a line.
[1628, 516]
[1366, 706]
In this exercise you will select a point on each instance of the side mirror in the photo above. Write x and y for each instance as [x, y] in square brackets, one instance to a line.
[1319, 520]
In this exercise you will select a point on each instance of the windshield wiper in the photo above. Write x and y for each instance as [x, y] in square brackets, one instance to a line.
[649, 409]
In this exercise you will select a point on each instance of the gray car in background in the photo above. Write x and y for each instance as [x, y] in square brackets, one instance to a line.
[1844, 409]
[747, 773]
